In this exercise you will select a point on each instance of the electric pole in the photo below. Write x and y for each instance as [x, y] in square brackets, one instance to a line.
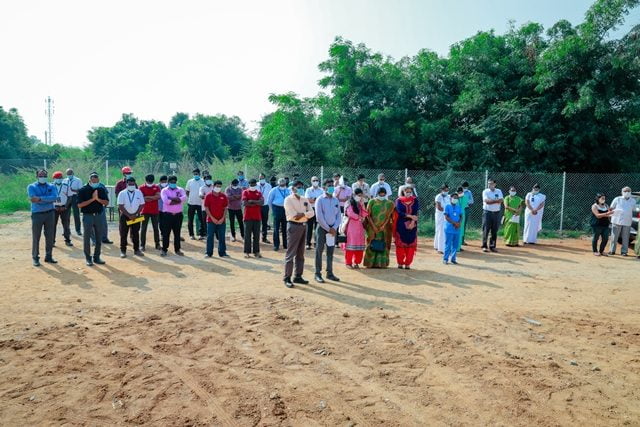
[49, 112]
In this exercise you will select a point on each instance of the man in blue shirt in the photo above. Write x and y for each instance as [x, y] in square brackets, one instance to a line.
[42, 195]
[242, 181]
[328, 216]
[469, 194]
[276, 203]
[453, 216]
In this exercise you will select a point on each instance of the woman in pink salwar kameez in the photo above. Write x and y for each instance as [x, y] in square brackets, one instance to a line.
[356, 239]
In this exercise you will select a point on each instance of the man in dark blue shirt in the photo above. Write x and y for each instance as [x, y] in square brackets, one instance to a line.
[42, 195]
[92, 198]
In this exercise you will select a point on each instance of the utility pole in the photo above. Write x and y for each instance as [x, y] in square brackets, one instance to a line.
[49, 112]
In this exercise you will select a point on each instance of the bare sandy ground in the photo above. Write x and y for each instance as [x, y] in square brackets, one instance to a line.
[194, 341]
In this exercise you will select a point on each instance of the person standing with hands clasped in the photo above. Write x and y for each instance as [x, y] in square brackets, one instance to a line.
[150, 210]
[92, 198]
[297, 211]
[215, 207]
[252, 200]
[312, 193]
[173, 198]
[453, 216]
[61, 206]
[130, 203]
[42, 196]
[492, 200]
[328, 217]
[194, 206]
[621, 220]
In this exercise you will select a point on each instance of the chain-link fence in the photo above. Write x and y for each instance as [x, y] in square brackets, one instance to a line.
[567, 207]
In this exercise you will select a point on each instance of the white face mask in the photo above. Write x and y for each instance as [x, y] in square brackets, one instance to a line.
[253, 188]
[315, 184]
[358, 198]
[131, 187]
[454, 201]
[535, 192]
[380, 197]
[149, 185]
[163, 185]
[626, 194]
[512, 193]
[217, 189]
[444, 193]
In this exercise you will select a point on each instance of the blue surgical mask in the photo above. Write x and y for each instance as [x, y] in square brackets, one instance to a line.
[173, 185]
[127, 176]
[196, 177]
[262, 181]
[208, 181]
[42, 179]
[240, 177]
[94, 184]
[300, 191]
[70, 177]
[331, 189]
[58, 181]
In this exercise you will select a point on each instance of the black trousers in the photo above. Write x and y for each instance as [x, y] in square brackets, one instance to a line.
[490, 224]
[236, 214]
[65, 217]
[252, 237]
[171, 223]
[311, 225]
[156, 229]
[73, 205]
[192, 211]
[279, 226]
[600, 231]
[133, 230]
[265, 221]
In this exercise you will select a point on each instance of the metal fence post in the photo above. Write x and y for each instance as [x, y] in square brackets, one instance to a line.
[322, 174]
[486, 177]
[106, 172]
[564, 186]
[44, 162]
[406, 174]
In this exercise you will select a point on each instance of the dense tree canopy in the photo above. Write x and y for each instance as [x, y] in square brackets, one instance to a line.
[564, 99]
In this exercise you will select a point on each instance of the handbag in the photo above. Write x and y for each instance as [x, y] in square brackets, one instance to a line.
[341, 238]
[343, 225]
[378, 245]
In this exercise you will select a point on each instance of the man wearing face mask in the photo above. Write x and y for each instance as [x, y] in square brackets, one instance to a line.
[130, 204]
[74, 185]
[465, 212]
[622, 207]
[42, 196]
[204, 190]
[311, 194]
[242, 181]
[264, 188]
[362, 185]
[328, 217]
[92, 199]
[215, 206]
[122, 184]
[453, 217]
[275, 201]
[492, 200]
[194, 205]
[408, 182]
[298, 211]
[343, 192]
[234, 195]
[441, 202]
[60, 206]
[150, 210]
[252, 201]
[173, 198]
[381, 183]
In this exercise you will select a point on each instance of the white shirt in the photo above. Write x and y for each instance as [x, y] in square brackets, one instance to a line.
[375, 187]
[74, 185]
[193, 187]
[366, 195]
[622, 210]
[204, 190]
[444, 200]
[131, 200]
[63, 192]
[403, 186]
[493, 195]
[537, 199]
[313, 193]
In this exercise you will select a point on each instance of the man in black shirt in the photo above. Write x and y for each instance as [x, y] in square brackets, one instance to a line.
[92, 198]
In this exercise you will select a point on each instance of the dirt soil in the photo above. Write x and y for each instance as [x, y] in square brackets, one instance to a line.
[194, 341]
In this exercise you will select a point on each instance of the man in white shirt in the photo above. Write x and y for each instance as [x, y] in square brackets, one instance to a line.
[61, 207]
[194, 205]
[491, 203]
[130, 203]
[441, 201]
[408, 182]
[72, 203]
[311, 194]
[381, 183]
[264, 188]
[622, 207]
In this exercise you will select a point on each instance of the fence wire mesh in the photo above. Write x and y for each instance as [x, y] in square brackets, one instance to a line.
[569, 196]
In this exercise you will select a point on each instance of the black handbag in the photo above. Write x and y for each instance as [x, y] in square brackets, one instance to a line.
[378, 245]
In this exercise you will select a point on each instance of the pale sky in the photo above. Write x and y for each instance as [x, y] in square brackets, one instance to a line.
[98, 60]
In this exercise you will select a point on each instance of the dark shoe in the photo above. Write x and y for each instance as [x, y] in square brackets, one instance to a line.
[225, 256]
[266, 241]
[445, 262]
[276, 249]
[139, 253]
[181, 239]
[98, 261]
[180, 253]
[332, 278]
[624, 254]
[158, 247]
[107, 242]
[400, 267]
[233, 238]
[258, 255]
[300, 281]
[68, 243]
[208, 256]
[494, 250]
[318, 278]
[50, 260]
[308, 247]
[123, 254]
[79, 233]
[288, 283]
[454, 262]
[192, 237]
[89, 262]
[163, 253]
[143, 249]
[36, 262]
[406, 267]
[612, 253]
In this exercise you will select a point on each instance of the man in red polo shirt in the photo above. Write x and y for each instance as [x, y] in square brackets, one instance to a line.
[252, 200]
[122, 184]
[151, 193]
[215, 207]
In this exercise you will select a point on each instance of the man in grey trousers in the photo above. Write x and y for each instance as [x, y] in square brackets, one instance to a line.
[92, 198]
[42, 196]
[297, 211]
[328, 217]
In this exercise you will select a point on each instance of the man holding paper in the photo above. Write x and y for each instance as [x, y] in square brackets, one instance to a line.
[297, 211]
[130, 203]
[328, 217]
